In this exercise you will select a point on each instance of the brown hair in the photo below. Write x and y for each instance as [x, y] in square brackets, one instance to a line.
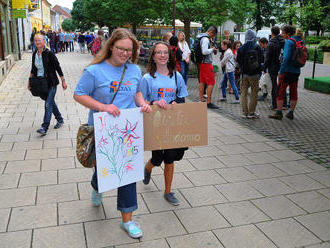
[236, 42]
[152, 68]
[117, 34]
[227, 43]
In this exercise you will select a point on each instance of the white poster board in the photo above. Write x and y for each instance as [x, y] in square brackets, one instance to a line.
[119, 148]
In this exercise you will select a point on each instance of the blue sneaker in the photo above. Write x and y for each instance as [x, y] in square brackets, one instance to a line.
[96, 198]
[171, 199]
[42, 131]
[58, 125]
[132, 228]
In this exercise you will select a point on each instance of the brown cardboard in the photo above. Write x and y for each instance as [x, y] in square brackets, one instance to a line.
[181, 125]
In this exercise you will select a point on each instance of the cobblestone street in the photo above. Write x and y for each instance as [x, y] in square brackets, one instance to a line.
[253, 186]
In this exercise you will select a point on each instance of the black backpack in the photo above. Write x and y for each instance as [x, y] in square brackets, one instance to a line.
[251, 65]
[196, 53]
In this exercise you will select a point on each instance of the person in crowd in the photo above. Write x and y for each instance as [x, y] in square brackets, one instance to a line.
[52, 37]
[288, 74]
[162, 75]
[176, 52]
[263, 42]
[81, 42]
[71, 40]
[167, 36]
[184, 47]
[206, 72]
[92, 91]
[66, 41]
[237, 45]
[88, 39]
[57, 42]
[228, 62]
[272, 60]
[222, 52]
[45, 64]
[249, 57]
[62, 37]
[34, 31]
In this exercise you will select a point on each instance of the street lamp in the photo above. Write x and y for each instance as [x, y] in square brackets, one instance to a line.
[173, 21]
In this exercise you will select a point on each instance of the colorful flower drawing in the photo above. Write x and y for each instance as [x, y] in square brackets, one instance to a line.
[128, 131]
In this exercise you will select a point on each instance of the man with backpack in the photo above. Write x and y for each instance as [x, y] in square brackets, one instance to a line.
[249, 58]
[203, 56]
[294, 57]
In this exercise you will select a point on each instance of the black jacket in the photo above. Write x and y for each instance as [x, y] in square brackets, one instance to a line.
[241, 54]
[273, 51]
[51, 66]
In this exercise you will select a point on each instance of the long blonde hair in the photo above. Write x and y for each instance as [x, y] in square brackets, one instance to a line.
[117, 34]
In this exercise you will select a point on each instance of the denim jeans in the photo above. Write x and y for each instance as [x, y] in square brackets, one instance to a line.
[52, 46]
[184, 71]
[126, 195]
[71, 46]
[231, 77]
[51, 108]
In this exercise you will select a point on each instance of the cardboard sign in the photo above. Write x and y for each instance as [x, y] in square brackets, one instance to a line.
[181, 125]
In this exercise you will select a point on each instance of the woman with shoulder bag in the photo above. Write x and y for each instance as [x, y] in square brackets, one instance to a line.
[162, 75]
[99, 91]
[44, 66]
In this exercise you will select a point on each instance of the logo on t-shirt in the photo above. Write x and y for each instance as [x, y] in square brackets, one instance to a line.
[161, 92]
[125, 86]
[166, 92]
[113, 87]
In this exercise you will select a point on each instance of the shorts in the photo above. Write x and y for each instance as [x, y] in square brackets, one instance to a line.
[168, 156]
[288, 79]
[206, 74]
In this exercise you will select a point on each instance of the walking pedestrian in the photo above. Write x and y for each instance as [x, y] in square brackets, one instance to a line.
[167, 36]
[237, 45]
[161, 86]
[183, 45]
[92, 91]
[45, 64]
[81, 42]
[176, 52]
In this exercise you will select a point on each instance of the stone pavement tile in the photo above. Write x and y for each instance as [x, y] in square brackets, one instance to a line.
[183, 165]
[8, 181]
[6, 146]
[41, 154]
[4, 217]
[231, 149]
[17, 197]
[271, 187]
[179, 181]
[21, 239]
[204, 177]
[234, 160]
[37, 144]
[317, 223]
[10, 131]
[325, 192]
[159, 243]
[142, 188]
[236, 174]
[12, 155]
[60, 236]
[201, 219]
[278, 207]
[262, 171]
[57, 193]
[66, 152]
[156, 202]
[2, 167]
[293, 167]
[301, 182]
[214, 141]
[241, 213]
[322, 177]
[38, 178]
[311, 201]
[22, 166]
[243, 236]
[57, 163]
[33, 217]
[258, 147]
[67, 134]
[288, 233]
[51, 135]
[207, 151]
[239, 191]
[79, 211]
[203, 196]
[75, 175]
[254, 138]
[286, 155]
[57, 143]
[276, 145]
[322, 245]
[15, 137]
[85, 191]
[206, 163]
[261, 158]
[230, 140]
[110, 207]
[314, 166]
[196, 240]
[190, 154]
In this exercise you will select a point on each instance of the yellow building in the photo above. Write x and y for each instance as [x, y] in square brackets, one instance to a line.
[36, 22]
[46, 20]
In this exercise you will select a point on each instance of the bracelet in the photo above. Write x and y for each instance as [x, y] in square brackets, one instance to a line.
[152, 103]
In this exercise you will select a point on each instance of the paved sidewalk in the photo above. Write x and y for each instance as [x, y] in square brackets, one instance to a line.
[242, 190]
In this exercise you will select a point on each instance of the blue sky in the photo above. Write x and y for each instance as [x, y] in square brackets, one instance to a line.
[64, 3]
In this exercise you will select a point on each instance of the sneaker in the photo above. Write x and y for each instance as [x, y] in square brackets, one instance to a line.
[244, 116]
[147, 177]
[96, 198]
[289, 115]
[42, 131]
[285, 108]
[254, 116]
[276, 116]
[205, 96]
[58, 125]
[212, 106]
[261, 98]
[132, 228]
[223, 99]
[171, 199]
[235, 102]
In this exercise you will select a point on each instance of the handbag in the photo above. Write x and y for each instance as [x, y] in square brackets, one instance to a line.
[39, 86]
[85, 149]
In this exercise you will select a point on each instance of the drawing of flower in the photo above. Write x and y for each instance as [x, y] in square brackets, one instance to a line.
[129, 167]
[128, 131]
[102, 142]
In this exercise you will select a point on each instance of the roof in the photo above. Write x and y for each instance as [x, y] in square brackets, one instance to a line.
[62, 10]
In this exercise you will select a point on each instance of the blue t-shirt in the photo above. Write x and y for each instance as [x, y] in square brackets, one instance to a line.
[100, 81]
[162, 87]
[61, 36]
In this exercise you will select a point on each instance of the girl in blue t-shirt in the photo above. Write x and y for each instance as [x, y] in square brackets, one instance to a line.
[95, 91]
[161, 86]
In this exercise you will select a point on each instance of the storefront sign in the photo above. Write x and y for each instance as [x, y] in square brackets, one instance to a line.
[18, 13]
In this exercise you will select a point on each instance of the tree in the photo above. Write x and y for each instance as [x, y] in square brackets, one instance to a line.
[311, 16]
[67, 25]
[239, 11]
[79, 18]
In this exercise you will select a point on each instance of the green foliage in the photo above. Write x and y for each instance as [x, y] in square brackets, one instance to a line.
[67, 25]
[315, 39]
[319, 55]
[79, 18]
[311, 15]
[325, 46]
[239, 10]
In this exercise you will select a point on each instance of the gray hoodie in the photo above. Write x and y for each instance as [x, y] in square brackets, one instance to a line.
[206, 50]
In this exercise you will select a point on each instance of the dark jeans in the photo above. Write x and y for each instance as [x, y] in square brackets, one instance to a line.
[71, 46]
[52, 46]
[231, 77]
[184, 71]
[126, 195]
[51, 108]
[273, 76]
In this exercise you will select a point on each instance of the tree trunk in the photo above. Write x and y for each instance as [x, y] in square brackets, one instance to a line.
[187, 30]
[258, 16]
[134, 26]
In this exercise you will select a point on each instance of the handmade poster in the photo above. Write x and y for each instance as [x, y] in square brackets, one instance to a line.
[181, 125]
[119, 148]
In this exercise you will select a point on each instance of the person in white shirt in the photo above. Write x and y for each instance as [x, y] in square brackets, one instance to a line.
[185, 56]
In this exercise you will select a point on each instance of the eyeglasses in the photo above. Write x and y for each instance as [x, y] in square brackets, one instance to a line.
[161, 52]
[122, 50]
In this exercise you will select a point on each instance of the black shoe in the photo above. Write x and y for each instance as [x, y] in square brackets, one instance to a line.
[42, 131]
[261, 98]
[289, 115]
[276, 116]
[58, 125]
[147, 177]
[212, 106]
